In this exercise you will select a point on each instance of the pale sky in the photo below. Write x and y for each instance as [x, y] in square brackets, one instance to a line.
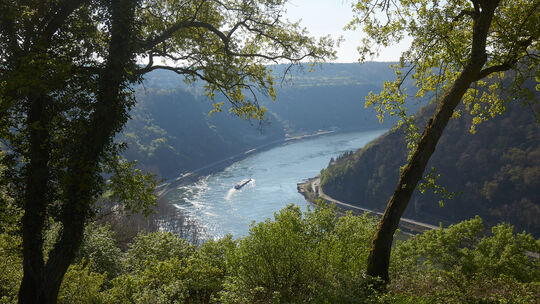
[328, 17]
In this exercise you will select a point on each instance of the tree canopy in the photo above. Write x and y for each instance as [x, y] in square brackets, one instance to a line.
[66, 77]
[460, 52]
[442, 41]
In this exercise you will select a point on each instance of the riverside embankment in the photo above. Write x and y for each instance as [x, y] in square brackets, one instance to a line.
[312, 192]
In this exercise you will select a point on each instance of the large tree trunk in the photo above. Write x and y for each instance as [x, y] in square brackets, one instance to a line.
[41, 283]
[35, 201]
[379, 256]
[107, 119]
[33, 288]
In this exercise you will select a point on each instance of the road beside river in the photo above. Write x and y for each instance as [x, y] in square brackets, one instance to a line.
[312, 191]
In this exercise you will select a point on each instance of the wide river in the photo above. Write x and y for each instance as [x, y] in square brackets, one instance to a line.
[221, 209]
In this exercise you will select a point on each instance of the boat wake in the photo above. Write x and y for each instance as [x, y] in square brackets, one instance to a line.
[250, 183]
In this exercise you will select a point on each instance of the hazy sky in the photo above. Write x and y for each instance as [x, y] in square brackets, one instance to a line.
[328, 17]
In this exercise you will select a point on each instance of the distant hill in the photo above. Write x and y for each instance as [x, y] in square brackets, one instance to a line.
[496, 171]
[170, 131]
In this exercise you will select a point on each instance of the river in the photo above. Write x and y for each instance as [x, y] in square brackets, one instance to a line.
[221, 209]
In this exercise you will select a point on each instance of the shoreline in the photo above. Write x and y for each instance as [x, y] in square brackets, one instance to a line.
[163, 189]
[189, 177]
[311, 191]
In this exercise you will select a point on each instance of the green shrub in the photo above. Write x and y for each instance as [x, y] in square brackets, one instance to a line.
[10, 267]
[206, 270]
[157, 282]
[317, 256]
[81, 285]
[164, 268]
[99, 247]
[156, 246]
[464, 264]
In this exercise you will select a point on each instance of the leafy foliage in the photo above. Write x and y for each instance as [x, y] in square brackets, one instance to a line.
[157, 282]
[131, 188]
[169, 270]
[464, 264]
[301, 258]
[11, 265]
[442, 37]
[10, 241]
[317, 256]
[156, 246]
[99, 249]
[81, 285]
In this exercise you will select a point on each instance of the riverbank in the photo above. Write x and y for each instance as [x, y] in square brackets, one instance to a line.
[221, 209]
[313, 193]
[193, 176]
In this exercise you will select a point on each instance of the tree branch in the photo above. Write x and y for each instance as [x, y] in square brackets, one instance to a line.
[494, 69]
[57, 17]
[180, 25]
[177, 70]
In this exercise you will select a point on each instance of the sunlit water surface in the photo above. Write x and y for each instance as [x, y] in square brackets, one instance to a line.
[221, 209]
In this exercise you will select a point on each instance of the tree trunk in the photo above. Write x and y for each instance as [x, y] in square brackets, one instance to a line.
[35, 201]
[379, 256]
[41, 283]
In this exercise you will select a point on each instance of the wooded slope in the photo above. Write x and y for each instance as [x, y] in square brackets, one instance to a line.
[495, 171]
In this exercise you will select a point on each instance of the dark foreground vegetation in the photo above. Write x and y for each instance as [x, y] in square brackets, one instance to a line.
[298, 257]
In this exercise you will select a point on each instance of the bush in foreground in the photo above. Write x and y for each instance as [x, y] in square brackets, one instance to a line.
[317, 256]
[465, 264]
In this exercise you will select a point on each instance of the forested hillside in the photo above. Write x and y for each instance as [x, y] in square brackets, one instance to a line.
[496, 172]
[171, 132]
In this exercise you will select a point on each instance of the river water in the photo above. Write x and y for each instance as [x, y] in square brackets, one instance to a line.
[221, 209]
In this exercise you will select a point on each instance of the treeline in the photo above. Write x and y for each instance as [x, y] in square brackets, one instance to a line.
[298, 257]
[495, 172]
